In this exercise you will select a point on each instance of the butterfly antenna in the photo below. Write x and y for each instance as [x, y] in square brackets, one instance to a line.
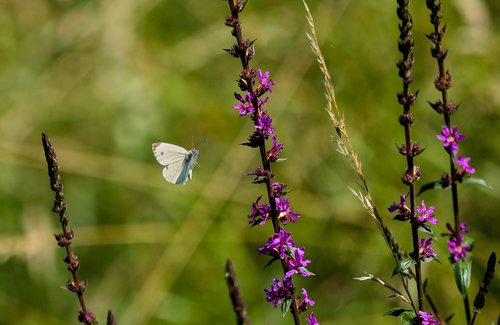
[201, 143]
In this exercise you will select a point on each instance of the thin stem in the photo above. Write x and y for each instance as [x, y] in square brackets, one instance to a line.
[406, 98]
[64, 239]
[443, 83]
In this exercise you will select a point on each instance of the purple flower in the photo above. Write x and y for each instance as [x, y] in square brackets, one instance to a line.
[284, 212]
[278, 189]
[305, 303]
[274, 153]
[427, 318]
[425, 249]
[456, 246]
[296, 263]
[279, 291]
[265, 124]
[311, 319]
[426, 214]
[278, 244]
[450, 138]
[463, 162]
[403, 210]
[260, 213]
[258, 172]
[245, 106]
[308, 301]
[264, 82]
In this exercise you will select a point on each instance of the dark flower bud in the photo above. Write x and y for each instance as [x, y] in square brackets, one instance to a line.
[76, 287]
[233, 51]
[254, 140]
[111, 318]
[86, 317]
[415, 150]
[240, 5]
[231, 21]
[446, 180]
[57, 208]
[452, 108]
[437, 106]
[443, 83]
[412, 97]
[69, 234]
[412, 176]
[62, 241]
[73, 263]
[250, 52]
[490, 269]
[406, 119]
[479, 300]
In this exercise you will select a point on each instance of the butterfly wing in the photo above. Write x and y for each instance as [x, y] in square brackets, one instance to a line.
[173, 158]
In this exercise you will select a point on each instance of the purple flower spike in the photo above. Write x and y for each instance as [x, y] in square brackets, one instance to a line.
[426, 214]
[425, 249]
[427, 318]
[278, 244]
[311, 319]
[463, 162]
[264, 82]
[279, 291]
[450, 138]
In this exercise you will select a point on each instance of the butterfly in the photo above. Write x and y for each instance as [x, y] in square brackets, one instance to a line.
[178, 162]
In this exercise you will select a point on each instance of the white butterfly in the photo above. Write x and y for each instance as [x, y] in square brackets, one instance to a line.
[178, 162]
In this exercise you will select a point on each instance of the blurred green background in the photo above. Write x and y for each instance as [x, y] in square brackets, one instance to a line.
[105, 79]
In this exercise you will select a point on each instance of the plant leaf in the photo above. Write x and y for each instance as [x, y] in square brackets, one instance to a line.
[476, 181]
[437, 185]
[407, 318]
[462, 273]
[426, 229]
[403, 265]
[285, 306]
[395, 312]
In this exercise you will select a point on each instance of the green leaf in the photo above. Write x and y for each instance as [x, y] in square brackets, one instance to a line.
[285, 306]
[396, 312]
[447, 319]
[437, 185]
[476, 181]
[403, 265]
[407, 317]
[426, 229]
[462, 273]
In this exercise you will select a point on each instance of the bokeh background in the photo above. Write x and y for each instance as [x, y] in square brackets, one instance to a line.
[105, 79]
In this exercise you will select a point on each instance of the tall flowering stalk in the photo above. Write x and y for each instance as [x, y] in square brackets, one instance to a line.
[410, 149]
[459, 244]
[280, 246]
[65, 238]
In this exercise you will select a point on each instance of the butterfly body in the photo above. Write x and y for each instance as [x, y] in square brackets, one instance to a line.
[178, 162]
